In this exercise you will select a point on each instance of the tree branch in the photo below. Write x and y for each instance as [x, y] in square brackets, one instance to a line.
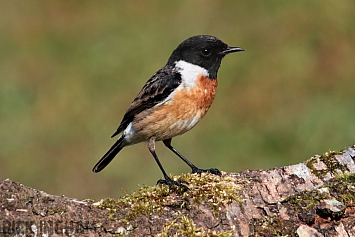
[313, 198]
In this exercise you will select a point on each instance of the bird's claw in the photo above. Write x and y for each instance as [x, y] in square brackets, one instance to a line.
[214, 171]
[173, 184]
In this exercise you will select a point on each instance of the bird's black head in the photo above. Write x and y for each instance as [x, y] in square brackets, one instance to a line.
[203, 50]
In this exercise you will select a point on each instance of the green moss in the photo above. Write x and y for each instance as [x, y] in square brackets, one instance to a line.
[342, 187]
[329, 160]
[212, 190]
[273, 226]
[186, 227]
[305, 200]
[111, 206]
[215, 191]
[144, 201]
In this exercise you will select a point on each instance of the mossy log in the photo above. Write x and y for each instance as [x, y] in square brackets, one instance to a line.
[314, 198]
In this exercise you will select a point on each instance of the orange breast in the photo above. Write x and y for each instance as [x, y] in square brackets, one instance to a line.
[180, 114]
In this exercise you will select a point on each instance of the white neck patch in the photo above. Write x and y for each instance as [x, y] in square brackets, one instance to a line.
[190, 72]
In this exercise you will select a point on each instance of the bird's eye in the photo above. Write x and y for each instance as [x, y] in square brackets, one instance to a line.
[206, 52]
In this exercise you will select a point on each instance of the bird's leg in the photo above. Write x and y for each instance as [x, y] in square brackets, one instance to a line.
[167, 180]
[215, 171]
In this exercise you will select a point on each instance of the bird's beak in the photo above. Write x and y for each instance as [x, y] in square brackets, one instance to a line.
[232, 50]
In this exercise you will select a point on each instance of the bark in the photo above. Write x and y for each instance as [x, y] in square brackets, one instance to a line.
[314, 198]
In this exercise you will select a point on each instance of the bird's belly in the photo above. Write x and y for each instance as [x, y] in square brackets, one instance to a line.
[182, 112]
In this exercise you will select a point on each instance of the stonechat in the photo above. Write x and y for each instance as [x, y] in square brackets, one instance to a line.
[173, 101]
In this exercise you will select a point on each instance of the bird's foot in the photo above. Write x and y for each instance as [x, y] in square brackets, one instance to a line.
[174, 184]
[214, 171]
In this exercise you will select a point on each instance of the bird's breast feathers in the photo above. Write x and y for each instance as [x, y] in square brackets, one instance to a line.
[181, 110]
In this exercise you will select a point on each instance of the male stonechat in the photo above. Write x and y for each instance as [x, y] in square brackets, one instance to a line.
[173, 101]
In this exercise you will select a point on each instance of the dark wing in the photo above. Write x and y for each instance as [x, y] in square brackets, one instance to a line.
[157, 88]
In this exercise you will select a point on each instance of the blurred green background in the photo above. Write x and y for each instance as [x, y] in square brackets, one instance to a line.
[69, 70]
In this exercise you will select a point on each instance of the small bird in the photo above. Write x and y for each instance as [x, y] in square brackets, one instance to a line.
[173, 101]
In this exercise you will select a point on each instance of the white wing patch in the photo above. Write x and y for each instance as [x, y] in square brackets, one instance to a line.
[189, 72]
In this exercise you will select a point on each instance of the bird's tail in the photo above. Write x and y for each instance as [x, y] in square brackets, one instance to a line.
[107, 158]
